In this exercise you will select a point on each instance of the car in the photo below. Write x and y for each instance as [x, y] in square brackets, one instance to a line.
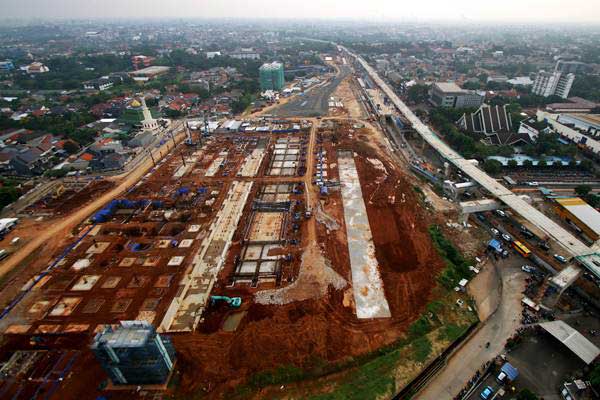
[473, 269]
[507, 237]
[533, 183]
[460, 302]
[526, 232]
[560, 258]
[501, 377]
[495, 231]
[544, 246]
[501, 213]
[528, 268]
[486, 393]
[480, 216]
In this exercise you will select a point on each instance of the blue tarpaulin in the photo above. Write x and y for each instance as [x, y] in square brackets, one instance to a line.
[495, 244]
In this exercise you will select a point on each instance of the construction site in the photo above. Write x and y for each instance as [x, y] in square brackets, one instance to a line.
[269, 247]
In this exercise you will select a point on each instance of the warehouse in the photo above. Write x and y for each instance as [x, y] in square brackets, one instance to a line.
[581, 215]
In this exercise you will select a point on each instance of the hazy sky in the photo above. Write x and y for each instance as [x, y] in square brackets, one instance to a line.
[474, 10]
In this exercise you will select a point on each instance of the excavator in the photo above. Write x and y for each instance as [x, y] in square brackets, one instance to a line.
[233, 302]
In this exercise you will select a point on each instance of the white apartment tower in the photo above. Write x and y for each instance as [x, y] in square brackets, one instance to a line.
[553, 83]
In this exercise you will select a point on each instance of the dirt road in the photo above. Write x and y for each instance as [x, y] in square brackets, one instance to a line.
[500, 326]
[65, 225]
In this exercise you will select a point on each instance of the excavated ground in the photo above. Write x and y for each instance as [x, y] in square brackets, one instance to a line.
[325, 329]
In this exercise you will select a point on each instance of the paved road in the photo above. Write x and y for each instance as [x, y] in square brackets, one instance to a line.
[500, 326]
[314, 102]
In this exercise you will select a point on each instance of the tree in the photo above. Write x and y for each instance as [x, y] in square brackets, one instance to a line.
[492, 166]
[587, 165]
[528, 163]
[595, 376]
[583, 190]
[512, 163]
[418, 93]
[8, 194]
[71, 147]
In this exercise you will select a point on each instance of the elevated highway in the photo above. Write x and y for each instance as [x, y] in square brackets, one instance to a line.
[565, 239]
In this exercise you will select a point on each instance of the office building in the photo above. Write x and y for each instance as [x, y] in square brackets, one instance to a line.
[271, 76]
[449, 94]
[553, 83]
[134, 354]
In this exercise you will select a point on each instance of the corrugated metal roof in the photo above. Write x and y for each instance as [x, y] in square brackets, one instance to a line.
[574, 340]
[582, 211]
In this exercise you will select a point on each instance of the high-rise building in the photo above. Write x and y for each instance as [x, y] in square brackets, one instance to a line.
[134, 354]
[271, 76]
[553, 83]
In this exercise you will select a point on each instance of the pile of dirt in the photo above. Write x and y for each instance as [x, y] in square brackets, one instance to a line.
[314, 279]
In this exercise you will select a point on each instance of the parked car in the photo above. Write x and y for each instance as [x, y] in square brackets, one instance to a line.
[528, 268]
[473, 269]
[507, 237]
[501, 213]
[544, 246]
[560, 258]
[495, 231]
[533, 183]
[487, 393]
[480, 216]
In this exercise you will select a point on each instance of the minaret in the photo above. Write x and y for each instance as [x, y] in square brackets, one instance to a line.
[148, 123]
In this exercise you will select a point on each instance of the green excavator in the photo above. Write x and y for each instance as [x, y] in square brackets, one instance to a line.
[233, 302]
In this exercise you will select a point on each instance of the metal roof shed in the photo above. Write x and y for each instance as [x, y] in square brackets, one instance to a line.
[574, 340]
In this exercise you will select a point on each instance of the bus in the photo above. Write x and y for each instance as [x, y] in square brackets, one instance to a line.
[521, 249]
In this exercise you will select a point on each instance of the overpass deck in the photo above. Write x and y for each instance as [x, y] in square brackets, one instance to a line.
[564, 238]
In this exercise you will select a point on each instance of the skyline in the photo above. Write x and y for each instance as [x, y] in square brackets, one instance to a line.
[578, 11]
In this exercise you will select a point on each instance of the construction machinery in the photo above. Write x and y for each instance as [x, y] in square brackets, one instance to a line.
[233, 302]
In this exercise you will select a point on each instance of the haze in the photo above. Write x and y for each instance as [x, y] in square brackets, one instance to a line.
[575, 11]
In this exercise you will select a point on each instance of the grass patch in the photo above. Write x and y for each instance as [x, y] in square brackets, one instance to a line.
[457, 267]
[451, 332]
[421, 348]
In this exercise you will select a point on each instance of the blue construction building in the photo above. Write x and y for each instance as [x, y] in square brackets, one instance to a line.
[134, 354]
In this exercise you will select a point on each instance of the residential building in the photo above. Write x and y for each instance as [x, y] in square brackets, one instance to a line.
[449, 94]
[134, 354]
[271, 76]
[553, 83]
